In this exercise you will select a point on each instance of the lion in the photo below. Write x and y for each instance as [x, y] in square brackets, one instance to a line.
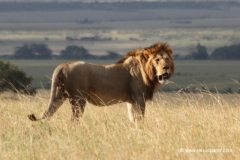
[133, 79]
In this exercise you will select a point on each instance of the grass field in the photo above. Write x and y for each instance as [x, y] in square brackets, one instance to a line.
[176, 126]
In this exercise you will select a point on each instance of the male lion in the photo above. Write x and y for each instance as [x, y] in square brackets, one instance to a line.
[133, 79]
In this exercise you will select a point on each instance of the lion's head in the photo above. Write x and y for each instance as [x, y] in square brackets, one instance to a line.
[160, 64]
[157, 59]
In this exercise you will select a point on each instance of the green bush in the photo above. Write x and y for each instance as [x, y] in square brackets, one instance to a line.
[15, 79]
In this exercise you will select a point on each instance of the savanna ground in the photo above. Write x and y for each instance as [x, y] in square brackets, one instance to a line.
[176, 126]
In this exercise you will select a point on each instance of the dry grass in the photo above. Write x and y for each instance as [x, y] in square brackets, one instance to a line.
[174, 123]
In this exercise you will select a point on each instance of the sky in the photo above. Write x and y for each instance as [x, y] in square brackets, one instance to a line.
[111, 0]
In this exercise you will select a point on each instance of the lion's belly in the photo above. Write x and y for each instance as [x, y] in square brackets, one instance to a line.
[105, 98]
[104, 102]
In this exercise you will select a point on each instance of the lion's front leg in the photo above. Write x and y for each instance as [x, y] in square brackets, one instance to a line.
[136, 112]
[130, 112]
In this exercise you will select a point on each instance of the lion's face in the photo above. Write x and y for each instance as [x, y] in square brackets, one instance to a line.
[163, 65]
[157, 62]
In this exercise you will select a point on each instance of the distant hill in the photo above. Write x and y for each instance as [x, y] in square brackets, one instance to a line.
[22, 5]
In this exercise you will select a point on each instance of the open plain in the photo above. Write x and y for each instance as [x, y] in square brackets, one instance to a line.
[176, 126]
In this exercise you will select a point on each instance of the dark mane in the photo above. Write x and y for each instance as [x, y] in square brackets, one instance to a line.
[159, 47]
[153, 49]
[134, 53]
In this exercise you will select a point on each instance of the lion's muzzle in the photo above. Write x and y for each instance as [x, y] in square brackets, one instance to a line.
[165, 76]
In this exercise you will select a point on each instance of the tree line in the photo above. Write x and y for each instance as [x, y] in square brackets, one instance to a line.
[41, 51]
[222, 53]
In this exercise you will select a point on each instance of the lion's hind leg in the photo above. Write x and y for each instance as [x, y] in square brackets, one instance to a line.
[77, 108]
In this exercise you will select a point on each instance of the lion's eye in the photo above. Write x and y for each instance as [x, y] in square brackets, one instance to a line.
[167, 59]
[157, 60]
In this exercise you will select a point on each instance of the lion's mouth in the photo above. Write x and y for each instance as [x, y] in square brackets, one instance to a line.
[163, 78]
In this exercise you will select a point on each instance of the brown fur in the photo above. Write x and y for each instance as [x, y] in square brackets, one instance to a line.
[133, 79]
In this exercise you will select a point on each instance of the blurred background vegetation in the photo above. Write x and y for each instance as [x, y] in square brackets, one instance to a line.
[42, 51]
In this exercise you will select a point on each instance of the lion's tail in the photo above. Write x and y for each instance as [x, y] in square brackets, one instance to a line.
[56, 77]
[32, 117]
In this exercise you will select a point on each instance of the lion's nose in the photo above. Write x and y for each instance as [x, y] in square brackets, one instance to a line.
[166, 67]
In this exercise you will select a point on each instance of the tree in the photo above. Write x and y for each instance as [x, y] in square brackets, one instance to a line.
[75, 52]
[111, 55]
[15, 79]
[41, 51]
[33, 51]
[24, 52]
[200, 53]
[226, 53]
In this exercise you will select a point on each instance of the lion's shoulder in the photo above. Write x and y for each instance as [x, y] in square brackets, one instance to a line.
[132, 53]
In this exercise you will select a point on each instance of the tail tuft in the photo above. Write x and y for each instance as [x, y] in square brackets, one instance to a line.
[32, 117]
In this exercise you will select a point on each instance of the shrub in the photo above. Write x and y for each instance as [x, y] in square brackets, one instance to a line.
[15, 79]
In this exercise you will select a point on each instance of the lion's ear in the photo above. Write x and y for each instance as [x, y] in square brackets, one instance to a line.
[169, 51]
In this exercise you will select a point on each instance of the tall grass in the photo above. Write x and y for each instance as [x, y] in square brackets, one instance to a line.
[176, 126]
